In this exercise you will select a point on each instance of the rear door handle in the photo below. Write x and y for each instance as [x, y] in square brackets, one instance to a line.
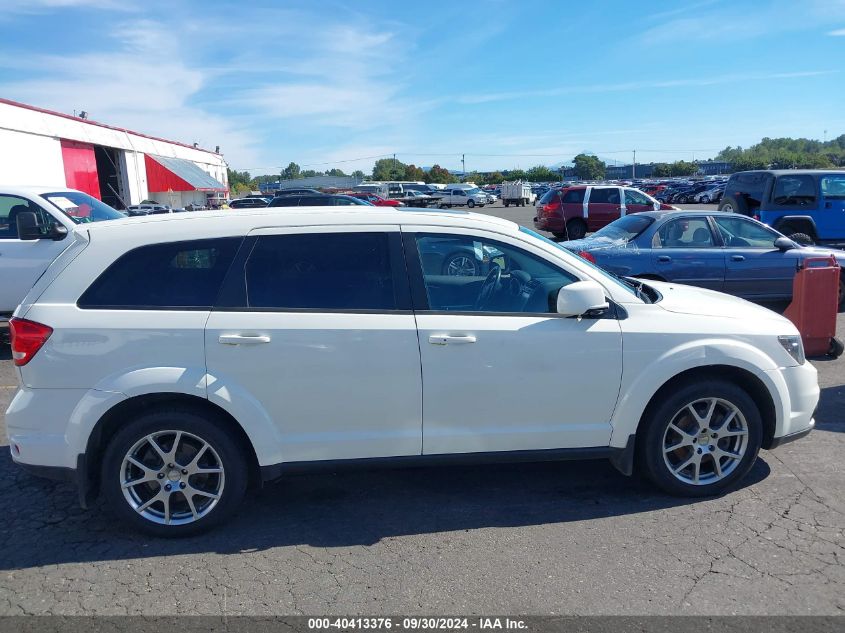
[242, 339]
[445, 339]
[664, 258]
[737, 258]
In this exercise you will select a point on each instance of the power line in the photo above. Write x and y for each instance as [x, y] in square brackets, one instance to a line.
[465, 154]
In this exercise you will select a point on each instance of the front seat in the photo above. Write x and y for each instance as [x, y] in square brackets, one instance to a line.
[701, 237]
[14, 212]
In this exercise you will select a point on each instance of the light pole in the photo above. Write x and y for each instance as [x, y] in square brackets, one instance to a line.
[463, 168]
[634, 166]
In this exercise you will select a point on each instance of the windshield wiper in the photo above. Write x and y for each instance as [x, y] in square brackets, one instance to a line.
[636, 285]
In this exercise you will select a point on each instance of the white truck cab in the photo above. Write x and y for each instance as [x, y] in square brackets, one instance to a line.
[49, 215]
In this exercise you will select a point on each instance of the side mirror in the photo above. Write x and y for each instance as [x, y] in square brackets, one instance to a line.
[581, 297]
[29, 228]
[784, 244]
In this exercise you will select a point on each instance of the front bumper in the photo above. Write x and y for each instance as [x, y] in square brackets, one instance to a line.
[786, 439]
[800, 392]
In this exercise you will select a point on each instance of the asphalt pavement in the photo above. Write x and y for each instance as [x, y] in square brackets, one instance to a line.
[555, 538]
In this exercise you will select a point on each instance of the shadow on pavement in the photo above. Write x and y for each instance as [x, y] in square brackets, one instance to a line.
[830, 415]
[332, 510]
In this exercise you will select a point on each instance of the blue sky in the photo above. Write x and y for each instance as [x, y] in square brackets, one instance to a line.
[519, 83]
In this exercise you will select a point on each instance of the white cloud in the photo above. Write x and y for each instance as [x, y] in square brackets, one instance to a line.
[638, 85]
[38, 6]
[145, 85]
[837, 33]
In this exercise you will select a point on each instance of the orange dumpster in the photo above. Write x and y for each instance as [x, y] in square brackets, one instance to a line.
[815, 303]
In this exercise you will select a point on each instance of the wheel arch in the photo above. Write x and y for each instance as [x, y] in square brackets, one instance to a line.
[802, 224]
[110, 422]
[743, 378]
[741, 363]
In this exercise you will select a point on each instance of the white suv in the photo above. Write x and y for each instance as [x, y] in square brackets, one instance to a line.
[172, 375]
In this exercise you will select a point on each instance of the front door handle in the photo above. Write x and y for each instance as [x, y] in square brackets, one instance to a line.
[242, 339]
[445, 339]
[737, 258]
[664, 258]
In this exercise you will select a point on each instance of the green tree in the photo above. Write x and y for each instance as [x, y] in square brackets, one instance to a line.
[358, 174]
[494, 178]
[239, 179]
[335, 172]
[515, 174]
[389, 169]
[541, 173]
[438, 174]
[683, 168]
[412, 172]
[662, 170]
[589, 167]
[291, 172]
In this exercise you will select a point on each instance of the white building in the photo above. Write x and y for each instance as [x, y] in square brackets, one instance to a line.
[120, 167]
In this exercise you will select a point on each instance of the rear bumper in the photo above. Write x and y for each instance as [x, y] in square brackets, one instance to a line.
[552, 224]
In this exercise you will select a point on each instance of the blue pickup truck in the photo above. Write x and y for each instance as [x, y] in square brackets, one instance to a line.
[807, 205]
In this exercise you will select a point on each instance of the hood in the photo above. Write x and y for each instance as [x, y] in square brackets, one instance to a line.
[821, 251]
[683, 299]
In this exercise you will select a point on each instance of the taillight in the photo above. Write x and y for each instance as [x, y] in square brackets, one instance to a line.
[27, 338]
[587, 256]
[757, 217]
[549, 209]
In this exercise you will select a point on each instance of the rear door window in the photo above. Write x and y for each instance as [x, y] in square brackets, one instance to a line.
[684, 233]
[172, 276]
[574, 196]
[321, 271]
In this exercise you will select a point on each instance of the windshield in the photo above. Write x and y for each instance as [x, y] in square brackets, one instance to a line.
[625, 228]
[80, 207]
[472, 192]
[603, 273]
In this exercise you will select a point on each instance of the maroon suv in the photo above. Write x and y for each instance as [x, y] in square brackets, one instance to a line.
[571, 212]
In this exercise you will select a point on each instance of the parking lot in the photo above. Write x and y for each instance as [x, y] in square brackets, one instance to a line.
[552, 538]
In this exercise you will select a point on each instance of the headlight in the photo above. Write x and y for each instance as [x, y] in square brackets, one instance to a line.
[794, 347]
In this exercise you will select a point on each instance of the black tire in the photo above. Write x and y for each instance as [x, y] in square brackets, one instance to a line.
[225, 445]
[651, 436]
[705, 200]
[444, 206]
[802, 238]
[559, 236]
[836, 348]
[576, 229]
[736, 205]
[507, 204]
[471, 203]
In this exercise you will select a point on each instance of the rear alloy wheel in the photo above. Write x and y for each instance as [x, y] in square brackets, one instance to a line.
[702, 439]
[705, 199]
[470, 203]
[173, 473]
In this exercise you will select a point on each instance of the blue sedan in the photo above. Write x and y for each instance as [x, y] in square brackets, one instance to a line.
[720, 251]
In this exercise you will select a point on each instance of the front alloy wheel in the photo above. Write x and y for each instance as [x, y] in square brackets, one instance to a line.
[699, 438]
[705, 441]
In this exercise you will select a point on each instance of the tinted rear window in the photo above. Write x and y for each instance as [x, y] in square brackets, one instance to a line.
[176, 275]
[321, 271]
[550, 195]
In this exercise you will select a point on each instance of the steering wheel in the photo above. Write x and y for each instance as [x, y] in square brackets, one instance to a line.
[489, 287]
